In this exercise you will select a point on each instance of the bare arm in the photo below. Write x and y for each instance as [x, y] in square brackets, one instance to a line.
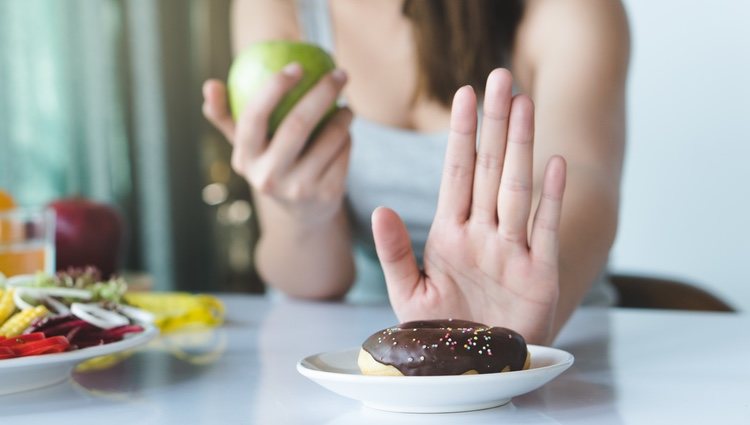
[487, 258]
[578, 58]
[255, 20]
[304, 249]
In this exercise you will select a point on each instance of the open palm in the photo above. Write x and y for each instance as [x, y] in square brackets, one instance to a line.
[481, 262]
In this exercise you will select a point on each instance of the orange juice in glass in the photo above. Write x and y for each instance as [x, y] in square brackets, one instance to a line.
[27, 241]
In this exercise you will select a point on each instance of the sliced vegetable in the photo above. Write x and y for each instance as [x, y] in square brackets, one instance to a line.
[47, 293]
[70, 310]
[98, 316]
[88, 337]
[6, 342]
[137, 314]
[56, 292]
[20, 280]
[88, 279]
[31, 345]
[81, 333]
[6, 304]
[57, 306]
[18, 300]
[179, 310]
[21, 320]
[63, 327]
[53, 344]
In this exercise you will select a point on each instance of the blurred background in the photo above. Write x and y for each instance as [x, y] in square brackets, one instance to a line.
[102, 98]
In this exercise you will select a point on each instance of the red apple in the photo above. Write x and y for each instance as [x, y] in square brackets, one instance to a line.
[87, 233]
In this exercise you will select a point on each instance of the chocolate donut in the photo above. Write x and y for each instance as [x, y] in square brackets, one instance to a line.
[442, 347]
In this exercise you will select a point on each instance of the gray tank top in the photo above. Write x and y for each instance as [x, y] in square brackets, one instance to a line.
[392, 167]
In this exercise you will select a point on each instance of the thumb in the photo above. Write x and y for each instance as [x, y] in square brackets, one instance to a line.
[395, 253]
[215, 108]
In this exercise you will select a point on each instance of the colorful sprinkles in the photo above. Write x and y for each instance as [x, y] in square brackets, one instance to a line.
[447, 348]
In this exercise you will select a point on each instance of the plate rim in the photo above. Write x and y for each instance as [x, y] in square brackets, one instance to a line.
[307, 371]
[128, 342]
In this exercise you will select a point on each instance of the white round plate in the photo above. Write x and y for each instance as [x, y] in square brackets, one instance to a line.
[338, 372]
[32, 372]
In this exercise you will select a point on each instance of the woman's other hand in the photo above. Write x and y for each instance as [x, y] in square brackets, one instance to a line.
[481, 261]
[307, 182]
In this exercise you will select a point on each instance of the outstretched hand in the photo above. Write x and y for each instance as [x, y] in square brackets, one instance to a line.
[481, 262]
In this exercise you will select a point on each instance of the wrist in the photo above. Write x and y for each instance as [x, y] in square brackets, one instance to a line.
[308, 213]
[299, 224]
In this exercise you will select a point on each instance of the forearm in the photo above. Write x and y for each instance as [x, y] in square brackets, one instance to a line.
[256, 20]
[303, 260]
[587, 232]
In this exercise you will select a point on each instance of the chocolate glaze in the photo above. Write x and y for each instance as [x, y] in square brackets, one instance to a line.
[447, 347]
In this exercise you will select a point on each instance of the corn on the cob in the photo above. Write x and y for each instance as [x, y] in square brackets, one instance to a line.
[7, 306]
[21, 320]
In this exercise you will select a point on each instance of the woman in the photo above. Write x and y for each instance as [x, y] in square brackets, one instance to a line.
[490, 254]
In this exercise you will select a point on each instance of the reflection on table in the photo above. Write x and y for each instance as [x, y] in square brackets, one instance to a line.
[632, 367]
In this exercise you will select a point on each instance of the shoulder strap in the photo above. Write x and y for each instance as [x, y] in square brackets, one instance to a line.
[315, 21]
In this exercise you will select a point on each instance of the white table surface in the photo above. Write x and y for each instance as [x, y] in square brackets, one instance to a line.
[632, 367]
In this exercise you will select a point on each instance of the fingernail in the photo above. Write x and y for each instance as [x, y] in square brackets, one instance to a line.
[292, 69]
[339, 75]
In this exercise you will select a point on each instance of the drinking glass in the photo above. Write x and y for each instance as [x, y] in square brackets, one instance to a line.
[27, 241]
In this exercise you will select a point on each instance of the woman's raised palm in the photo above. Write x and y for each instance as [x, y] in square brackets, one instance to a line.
[481, 262]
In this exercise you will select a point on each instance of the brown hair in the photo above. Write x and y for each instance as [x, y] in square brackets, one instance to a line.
[460, 42]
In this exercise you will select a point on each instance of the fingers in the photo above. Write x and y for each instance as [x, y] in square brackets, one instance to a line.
[333, 179]
[252, 128]
[491, 151]
[545, 229]
[514, 198]
[458, 169]
[297, 126]
[326, 147]
[276, 168]
[402, 275]
[215, 108]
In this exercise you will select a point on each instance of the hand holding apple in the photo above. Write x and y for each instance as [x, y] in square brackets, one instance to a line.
[284, 96]
[254, 67]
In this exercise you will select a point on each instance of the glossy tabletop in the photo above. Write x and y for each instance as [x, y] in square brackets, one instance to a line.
[632, 367]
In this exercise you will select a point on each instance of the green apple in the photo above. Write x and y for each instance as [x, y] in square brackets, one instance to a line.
[253, 67]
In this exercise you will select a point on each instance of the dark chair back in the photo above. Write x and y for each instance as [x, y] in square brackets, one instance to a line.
[652, 292]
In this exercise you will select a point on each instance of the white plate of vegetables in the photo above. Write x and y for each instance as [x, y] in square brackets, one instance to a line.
[49, 324]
